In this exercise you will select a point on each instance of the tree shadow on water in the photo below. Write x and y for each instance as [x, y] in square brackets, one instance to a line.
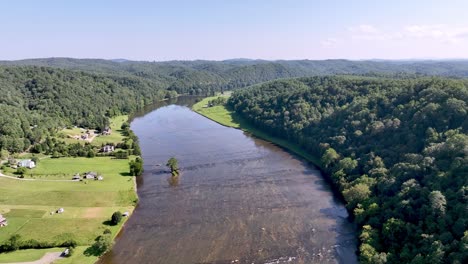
[173, 181]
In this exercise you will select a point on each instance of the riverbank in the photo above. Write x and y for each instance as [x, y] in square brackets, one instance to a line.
[88, 204]
[226, 117]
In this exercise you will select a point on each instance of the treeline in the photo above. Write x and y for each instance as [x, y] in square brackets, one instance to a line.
[396, 150]
[206, 77]
[15, 243]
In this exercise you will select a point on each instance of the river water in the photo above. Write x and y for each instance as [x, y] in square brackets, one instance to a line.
[238, 199]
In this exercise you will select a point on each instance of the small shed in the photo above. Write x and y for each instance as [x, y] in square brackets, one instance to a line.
[3, 221]
[60, 210]
[91, 175]
[107, 131]
[76, 177]
[125, 214]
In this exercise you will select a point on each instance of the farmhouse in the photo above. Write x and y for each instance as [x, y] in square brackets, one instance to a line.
[108, 148]
[107, 131]
[27, 163]
[3, 221]
[91, 175]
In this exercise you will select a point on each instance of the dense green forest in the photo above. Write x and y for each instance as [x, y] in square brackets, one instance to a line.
[41, 95]
[395, 148]
[37, 101]
[204, 77]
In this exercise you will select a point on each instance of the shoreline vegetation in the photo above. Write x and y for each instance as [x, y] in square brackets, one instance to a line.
[394, 147]
[30, 206]
[222, 115]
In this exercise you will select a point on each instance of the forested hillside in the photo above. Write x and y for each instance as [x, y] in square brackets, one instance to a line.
[36, 101]
[40, 95]
[396, 150]
[205, 77]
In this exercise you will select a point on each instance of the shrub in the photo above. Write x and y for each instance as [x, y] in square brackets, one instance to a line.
[116, 218]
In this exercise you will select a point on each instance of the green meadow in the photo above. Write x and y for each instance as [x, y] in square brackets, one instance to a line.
[116, 135]
[26, 255]
[30, 205]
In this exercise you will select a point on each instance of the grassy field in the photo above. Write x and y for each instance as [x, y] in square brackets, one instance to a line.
[217, 113]
[88, 204]
[227, 117]
[116, 135]
[26, 255]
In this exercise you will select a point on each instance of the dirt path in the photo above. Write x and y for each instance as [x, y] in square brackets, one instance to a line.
[20, 179]
[48, 258]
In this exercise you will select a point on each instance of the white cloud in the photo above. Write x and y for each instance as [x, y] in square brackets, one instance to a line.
[329, 42]
[364, 28]
[442, 33]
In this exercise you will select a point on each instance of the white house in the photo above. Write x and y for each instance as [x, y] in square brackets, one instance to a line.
[107, 131]
[27, 163]
[91, 175]
[108, 148]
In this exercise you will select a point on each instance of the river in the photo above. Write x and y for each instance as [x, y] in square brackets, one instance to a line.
[238, 199]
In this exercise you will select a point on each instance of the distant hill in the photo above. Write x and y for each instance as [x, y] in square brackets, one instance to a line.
[120, 60]
[201, 76]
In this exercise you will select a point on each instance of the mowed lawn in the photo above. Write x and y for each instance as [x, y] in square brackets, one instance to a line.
[30, 206]
[217, 113]
[88, 204]
[26, 255]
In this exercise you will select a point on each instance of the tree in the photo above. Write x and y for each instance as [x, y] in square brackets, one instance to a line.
[172, 163]
[136, 149]
[356, 194]
[136, 167]
[35, 159]
[438, 202]
[116, 218]
[102, 244]
[330, 156]
[21, 171]
[13, 243]
[121, 154]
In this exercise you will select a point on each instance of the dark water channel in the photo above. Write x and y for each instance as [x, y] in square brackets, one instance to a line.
[238, 200]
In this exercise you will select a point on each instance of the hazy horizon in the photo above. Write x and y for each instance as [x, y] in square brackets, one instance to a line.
[245, 59]
[214, 30]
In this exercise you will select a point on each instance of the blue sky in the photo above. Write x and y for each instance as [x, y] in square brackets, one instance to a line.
[222, 29]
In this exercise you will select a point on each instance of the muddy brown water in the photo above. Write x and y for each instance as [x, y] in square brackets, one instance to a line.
[238, 199]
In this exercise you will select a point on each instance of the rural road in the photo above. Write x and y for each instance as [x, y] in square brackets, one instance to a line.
[48, 258]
